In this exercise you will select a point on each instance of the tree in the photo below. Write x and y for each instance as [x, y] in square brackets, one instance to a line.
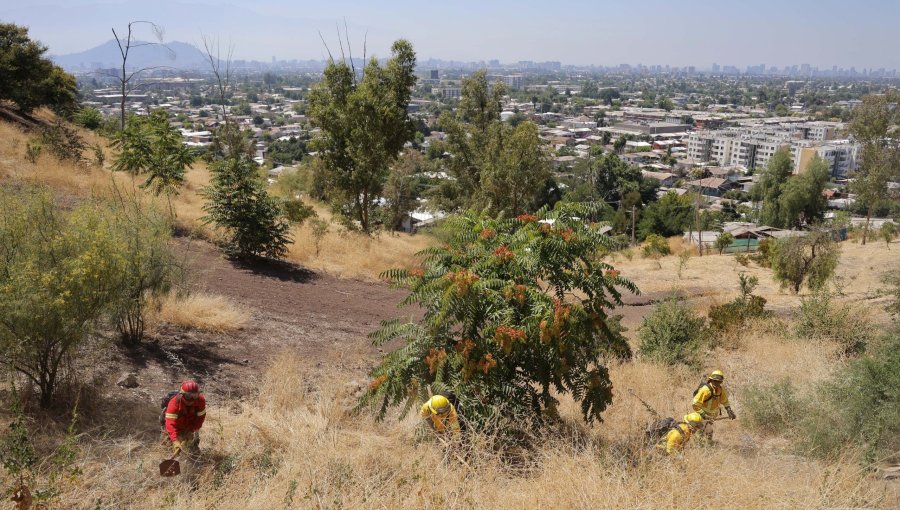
[402, 188]
[619, 144]
[876, 125]
[669, 216]
[151, 145]
[239, 203]
[58, 272]
[364, 125]
[126, 43]
[497, 167]
[723, 242]
[149, 266]
[30, 80]
[516, 312]
[809, 259]
[770, 186]
[801, 201]
[89, 117]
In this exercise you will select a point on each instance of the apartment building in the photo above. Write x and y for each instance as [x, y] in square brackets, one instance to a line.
[754, 146]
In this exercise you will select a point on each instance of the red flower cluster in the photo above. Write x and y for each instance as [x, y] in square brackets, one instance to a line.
[527, 218]
[417, 272]
[612, 273]
[487, 233]
[462, 280]
[515, 292]
[566, 234]
[506, 335]
[503, 253]
[486, 364]
[434, 359]
[377, 382]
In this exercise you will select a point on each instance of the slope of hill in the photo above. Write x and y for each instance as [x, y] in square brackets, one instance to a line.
[281, 432]
[173, 54]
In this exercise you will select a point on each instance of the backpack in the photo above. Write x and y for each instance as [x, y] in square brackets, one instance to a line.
[703, 382]
[164, 403]
[658, 429]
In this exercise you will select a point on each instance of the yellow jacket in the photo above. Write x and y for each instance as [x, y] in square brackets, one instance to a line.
[439, 423]
[675, 439]
[707, 402]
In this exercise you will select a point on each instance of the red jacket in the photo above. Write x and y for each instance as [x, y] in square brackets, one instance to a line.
[183, 417]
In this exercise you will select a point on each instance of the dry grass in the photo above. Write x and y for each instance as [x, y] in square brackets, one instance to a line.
[301, 447]
[203, 311]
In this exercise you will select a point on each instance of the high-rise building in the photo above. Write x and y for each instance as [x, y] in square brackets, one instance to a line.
[435, 74]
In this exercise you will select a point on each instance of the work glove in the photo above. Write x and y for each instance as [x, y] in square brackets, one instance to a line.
[730, 413]
[177, 446]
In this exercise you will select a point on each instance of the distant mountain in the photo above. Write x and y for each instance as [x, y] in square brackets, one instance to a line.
[107, 55]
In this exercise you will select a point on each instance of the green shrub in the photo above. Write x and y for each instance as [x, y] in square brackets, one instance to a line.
[772, 408]
[735, 315]
[821, 318]
[763, 255]
[672, 334]
[89, 117]
[63, 142]
[859, 406]
[150, 267]
[297, 212]
[58, 272]
[655, 246]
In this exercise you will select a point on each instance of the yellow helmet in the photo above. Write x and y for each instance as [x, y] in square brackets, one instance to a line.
[717, 375]
[439, 404]
[693, 420]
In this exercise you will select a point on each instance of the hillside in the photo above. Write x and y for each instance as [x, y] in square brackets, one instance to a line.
[281, 382]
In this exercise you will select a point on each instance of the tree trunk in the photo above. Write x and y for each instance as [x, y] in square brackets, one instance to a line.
[866, 226]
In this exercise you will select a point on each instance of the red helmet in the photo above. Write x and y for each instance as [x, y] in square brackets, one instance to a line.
[190, 386]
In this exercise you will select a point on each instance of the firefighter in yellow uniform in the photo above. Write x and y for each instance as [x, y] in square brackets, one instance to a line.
[441, 415]
[679, 435]
[709, 399]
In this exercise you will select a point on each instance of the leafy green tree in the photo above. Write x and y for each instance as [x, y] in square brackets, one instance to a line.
[58, 273]
[402, 188]
[151, 145]
[723, 242]
[888, 233]
[29, 79]
[802, 201]
[517, 312]
[876, 125]
[809, 259]
[149, 265]
[669, 216]
[364, 125]
[496, 166]
[286, 152]
[238, 202]
[767, 191]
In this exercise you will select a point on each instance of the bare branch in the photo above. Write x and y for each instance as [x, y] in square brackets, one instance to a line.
[349, 49]
[340, 43]
[330, 58]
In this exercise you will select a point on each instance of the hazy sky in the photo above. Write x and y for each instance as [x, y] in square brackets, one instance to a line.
[860, 33]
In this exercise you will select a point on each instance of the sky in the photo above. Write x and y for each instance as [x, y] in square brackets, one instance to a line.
[857, 33]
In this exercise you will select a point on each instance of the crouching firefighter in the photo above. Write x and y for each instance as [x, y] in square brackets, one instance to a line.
[185, 411]
[441, 415]
[680, 434]
[709, 400]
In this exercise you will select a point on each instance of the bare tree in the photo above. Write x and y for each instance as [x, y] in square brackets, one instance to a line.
[221, 69]
[126, 44]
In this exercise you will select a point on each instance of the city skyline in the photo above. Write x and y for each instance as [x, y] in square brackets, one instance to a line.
[697, 33]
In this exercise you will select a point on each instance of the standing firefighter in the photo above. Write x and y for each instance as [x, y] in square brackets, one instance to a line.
[680, 434]
[184, 415]
[709, 398]
[441, 415]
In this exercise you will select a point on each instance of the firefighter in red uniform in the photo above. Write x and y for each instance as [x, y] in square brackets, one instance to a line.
[184, 417]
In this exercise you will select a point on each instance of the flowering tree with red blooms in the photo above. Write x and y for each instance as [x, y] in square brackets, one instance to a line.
[517, 312]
